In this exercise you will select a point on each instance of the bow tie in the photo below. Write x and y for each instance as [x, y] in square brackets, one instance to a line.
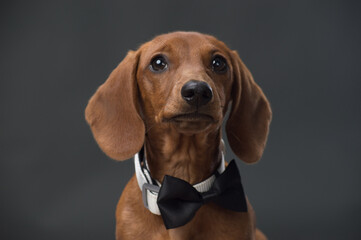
[178, 201]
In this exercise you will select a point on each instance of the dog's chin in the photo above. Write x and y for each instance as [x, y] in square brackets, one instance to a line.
[191, 123]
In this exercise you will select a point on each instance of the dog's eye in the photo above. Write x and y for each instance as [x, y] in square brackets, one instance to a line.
[219, 64]
[158, 64]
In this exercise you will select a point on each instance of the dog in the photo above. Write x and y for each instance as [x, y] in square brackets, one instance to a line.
[169, 99]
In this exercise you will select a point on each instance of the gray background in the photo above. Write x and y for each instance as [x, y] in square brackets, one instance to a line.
[55, 183]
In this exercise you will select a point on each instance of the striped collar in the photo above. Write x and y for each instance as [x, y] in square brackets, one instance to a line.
[150, 187]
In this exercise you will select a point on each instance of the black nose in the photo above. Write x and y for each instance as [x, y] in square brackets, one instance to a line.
[196, 93]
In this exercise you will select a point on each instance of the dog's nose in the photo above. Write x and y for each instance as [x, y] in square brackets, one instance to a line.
[196, 93]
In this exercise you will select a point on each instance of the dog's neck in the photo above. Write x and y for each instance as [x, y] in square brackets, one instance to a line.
[192, 158]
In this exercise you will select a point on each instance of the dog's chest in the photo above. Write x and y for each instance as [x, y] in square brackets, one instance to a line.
[214, 223]
[211, 222]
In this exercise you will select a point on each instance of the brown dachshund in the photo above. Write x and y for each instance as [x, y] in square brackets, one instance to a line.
[171, 96]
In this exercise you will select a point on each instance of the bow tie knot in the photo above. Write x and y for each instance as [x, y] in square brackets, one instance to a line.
[209, 196]
[178, 201]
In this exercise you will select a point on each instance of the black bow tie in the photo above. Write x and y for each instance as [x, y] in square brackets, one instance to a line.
[178, 201]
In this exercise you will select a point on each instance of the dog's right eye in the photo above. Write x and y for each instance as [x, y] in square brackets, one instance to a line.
[158, 64]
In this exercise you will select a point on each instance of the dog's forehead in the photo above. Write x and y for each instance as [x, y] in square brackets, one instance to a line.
[185, 42]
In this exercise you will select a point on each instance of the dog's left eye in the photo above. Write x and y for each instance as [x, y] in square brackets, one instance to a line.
[158, 64]
[219, 64]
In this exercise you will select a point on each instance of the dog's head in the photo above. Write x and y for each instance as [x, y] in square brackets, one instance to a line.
[182, 80]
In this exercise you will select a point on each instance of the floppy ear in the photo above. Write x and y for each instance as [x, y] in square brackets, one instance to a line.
[250, 116]
[112, 112]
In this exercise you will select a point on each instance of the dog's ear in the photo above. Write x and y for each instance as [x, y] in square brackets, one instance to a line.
[250, 116]
[113, 113]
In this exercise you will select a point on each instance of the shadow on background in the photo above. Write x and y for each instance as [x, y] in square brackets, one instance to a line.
[57, 184]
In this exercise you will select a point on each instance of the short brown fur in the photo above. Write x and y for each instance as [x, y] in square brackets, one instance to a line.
[136, 106]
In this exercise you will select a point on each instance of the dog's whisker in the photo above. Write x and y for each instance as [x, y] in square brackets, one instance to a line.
[147, 128]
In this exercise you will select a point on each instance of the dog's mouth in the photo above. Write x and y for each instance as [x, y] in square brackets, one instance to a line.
[190, 117]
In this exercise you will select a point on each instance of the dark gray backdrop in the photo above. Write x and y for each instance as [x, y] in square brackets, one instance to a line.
[55, 182]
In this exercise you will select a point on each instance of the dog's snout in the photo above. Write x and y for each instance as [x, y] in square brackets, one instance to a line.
[196, 93]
